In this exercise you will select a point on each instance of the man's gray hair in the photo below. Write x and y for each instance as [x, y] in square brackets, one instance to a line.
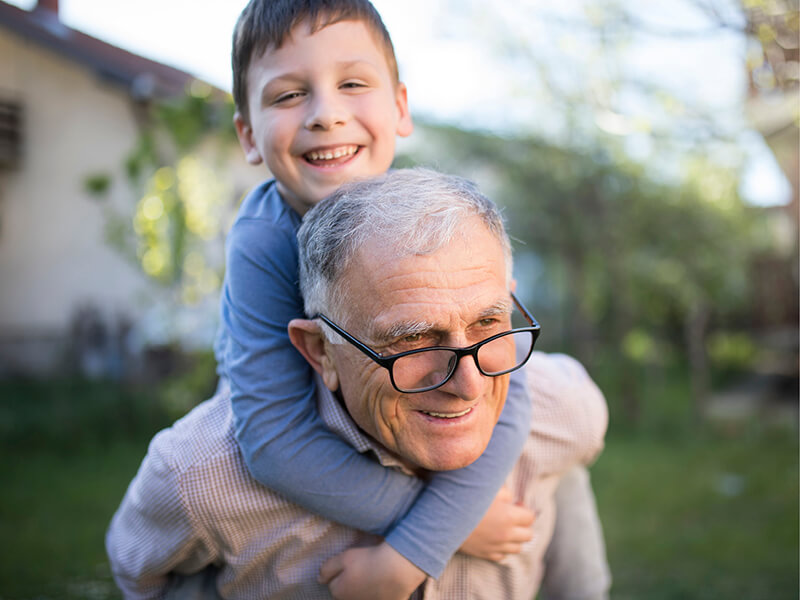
[415, 211]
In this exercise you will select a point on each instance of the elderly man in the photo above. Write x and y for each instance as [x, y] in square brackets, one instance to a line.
[408, 280]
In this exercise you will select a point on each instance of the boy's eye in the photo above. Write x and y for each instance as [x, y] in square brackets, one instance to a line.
[353, 85]
[288, 96]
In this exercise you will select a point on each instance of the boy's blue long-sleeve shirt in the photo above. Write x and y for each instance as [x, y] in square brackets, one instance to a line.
[283, 440]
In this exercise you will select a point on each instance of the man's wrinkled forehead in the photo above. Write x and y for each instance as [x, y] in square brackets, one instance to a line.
[384, 278]
[386, 332]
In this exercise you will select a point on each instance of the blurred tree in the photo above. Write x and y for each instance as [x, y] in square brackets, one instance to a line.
[644, 73]
[624, 164]
[184, 197]
[773, 28]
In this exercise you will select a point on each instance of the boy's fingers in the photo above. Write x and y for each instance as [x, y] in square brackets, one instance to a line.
[496, 556]
[504, 495]
[521, 535]
[330, 569]
[521, 515]
[335, 588]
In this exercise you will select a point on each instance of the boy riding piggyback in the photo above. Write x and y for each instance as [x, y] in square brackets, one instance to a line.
[319, 103]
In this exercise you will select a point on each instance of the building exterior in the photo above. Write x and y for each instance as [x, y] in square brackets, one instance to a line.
[70, 106]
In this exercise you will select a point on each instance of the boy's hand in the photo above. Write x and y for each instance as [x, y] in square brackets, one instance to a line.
[505, 527]
[372, 573]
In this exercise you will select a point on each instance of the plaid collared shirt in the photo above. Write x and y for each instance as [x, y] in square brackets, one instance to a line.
[193, 503]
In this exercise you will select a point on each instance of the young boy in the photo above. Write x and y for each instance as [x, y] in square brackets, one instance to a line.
[320, 103]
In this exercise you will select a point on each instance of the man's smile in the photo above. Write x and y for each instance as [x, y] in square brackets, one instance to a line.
[447, 415]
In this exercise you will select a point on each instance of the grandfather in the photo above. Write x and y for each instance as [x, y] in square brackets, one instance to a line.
[408, 278]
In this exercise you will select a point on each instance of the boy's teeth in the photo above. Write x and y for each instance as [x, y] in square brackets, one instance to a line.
[447, 415]
[331, 154]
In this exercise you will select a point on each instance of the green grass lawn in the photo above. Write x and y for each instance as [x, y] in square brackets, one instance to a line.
[53, 514]
[709, 517]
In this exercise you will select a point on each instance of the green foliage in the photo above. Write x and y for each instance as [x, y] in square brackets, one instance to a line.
[69, 415]
[74, 414]
[97, 185]
[196, 381]
[731, 350]
[184, 196]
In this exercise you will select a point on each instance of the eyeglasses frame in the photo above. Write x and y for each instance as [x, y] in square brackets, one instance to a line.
[387, 362]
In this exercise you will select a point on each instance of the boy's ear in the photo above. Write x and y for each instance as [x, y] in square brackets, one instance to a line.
[244, 132]
[307, 337]
[404, 123]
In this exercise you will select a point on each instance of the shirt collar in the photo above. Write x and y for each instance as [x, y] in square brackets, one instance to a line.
[338, 420]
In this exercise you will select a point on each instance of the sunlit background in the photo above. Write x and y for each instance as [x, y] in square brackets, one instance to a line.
[645, 155]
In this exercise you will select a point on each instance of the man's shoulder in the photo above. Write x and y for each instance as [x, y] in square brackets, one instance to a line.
[204, 462]
[556, 369]
[568, 407]
[202, 437]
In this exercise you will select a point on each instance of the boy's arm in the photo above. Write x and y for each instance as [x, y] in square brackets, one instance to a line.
[576, 566]
[151, 533]
[284, 441]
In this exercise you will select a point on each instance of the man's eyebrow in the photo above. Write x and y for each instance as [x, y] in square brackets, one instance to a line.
[403, 329]
[501, 307]
[400, 330]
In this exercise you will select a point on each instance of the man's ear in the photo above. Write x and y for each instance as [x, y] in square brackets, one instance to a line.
[307, 337]
[244, 131]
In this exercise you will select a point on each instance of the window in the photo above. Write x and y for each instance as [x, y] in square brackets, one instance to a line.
[10, 134]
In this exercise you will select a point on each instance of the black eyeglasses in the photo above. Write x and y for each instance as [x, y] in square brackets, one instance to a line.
[425, 369]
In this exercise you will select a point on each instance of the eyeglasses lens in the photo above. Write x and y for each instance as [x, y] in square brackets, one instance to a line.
[431, 368]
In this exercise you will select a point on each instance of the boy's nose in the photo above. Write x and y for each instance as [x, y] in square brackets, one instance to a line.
[325, 113]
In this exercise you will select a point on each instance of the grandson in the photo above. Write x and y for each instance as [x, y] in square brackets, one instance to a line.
[319, 102]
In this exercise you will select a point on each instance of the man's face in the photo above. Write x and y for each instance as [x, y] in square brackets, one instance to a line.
[456, 296]
[324, 110]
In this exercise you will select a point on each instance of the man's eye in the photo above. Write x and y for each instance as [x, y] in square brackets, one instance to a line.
[413, 338]
[488, 322]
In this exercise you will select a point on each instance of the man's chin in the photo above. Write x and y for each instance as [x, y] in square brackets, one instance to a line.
[444, 461]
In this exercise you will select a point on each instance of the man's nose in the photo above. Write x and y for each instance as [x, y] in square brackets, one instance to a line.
[326, 111]
[467, 382]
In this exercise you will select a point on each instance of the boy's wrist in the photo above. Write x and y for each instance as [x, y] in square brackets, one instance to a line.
[404, 572]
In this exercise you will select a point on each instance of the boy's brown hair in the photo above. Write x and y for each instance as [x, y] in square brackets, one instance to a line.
[265, 25]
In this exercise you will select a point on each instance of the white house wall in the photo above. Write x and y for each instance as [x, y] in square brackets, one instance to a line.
[53, 258]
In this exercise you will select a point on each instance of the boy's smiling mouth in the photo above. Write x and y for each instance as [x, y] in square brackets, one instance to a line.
[331, 157]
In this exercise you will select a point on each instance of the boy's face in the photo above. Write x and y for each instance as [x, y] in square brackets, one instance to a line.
[324, 110]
